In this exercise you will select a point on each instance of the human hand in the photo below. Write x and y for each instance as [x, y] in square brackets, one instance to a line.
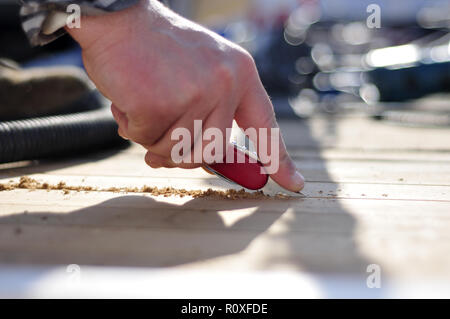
[162, 72]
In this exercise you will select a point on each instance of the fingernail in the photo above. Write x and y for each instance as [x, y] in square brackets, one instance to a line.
[298, 181]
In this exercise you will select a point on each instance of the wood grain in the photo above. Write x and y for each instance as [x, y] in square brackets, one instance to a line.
[376, 193]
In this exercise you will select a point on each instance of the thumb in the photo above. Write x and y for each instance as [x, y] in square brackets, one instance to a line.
[256, 111]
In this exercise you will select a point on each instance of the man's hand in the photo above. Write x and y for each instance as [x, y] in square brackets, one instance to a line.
[162, 72]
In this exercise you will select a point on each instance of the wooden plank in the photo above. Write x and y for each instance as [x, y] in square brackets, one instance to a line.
[428, 168]
[376, 193]
[195, 213]
[312, 189]
[310, 234]
[363, 134]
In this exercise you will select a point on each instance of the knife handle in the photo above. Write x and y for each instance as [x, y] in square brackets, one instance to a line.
[249, 174]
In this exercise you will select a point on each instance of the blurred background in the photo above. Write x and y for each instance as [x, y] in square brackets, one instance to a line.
[379, 58]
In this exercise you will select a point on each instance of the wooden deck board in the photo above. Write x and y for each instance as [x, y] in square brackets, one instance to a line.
[376, 193]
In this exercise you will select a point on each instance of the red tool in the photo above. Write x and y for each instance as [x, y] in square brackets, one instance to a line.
[250, 175]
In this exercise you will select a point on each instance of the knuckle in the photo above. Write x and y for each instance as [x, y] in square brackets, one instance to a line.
[224, 73]
[194, 93]
[246, 62]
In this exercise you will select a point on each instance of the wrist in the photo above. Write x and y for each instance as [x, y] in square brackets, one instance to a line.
[118, 25]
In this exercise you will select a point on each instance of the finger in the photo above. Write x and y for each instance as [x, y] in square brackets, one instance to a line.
[144, 125]
[209, 146]
[120, 117]
[156, 161]
[122, 134]
[186, 124]
[121, 120]
[215, 141]
[256, 111]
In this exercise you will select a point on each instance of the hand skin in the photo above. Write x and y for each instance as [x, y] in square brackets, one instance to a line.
[162, 71]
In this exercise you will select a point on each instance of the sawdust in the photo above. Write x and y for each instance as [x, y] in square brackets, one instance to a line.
[31, 184]
[5, 187]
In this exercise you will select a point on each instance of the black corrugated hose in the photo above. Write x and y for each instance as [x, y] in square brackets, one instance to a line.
[57, 135]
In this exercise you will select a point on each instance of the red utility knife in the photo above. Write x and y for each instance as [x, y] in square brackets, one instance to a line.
[250, 175]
